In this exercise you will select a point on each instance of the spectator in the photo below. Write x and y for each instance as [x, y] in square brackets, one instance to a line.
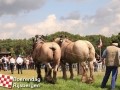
[24, 63]
[99, 63]
[0, 64]
[12, 64]
[31, 63]
[95, 65]
[27, 63]
[5, 60]
[19, 63]
[112, 62]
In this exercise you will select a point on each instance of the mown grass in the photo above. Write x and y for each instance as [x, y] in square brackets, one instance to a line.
[61, 84]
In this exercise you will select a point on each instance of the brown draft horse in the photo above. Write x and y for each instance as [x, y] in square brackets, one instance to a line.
[79, 51]
[46, 53]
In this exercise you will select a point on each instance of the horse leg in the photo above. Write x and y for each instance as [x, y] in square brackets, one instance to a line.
[55, 73]
[45, 69]
[48, 72]
[91, 67]
[39, 77]
[84, 74]
[64, 70]
[71, 71]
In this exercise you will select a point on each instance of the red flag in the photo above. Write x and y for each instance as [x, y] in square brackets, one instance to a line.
[100, 43]
[6, 81]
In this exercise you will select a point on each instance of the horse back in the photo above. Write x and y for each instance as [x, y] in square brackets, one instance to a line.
[81, 49]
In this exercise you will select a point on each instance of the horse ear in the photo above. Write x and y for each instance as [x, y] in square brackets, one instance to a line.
[66, 36]
[61, 36]
[42, 36]
[53, 39]
[33, 39]
[36, 36]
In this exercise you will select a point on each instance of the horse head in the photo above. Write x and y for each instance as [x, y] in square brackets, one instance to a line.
[62, 39]
[59, 40]
[37, 40]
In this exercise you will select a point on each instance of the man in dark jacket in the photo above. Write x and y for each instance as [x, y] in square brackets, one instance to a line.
[110, 55]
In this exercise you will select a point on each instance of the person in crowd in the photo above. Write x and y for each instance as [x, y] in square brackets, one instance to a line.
[95, 63]
[98, 64]
[12, 64]
[1, 64]
[19, 63]
[27, 63]
[5, 60]
[32, 65]
[24, 63]
[110, 55]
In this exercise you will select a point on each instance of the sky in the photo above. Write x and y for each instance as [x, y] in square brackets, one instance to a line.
[21, 19]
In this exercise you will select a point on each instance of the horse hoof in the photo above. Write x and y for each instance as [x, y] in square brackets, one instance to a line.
[84, 79]
[48, 79]
[65, 78]
[54, 81]
[51, 81]
[71, 78]
[89, 81]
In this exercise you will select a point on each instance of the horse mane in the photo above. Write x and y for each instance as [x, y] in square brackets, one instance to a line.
[40, 42]
[67, 40]
[35, 44]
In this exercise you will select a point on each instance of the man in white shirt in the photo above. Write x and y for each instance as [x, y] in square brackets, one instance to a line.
[12, 64]
[19, 63]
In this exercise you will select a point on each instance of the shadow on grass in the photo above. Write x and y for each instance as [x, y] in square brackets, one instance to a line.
[108, 87]
[68, 79]
[98, 86]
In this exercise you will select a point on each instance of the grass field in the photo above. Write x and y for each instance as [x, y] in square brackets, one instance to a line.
[75, 84]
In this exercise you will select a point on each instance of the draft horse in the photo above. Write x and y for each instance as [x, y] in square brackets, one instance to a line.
[46, 53]
[79, 51]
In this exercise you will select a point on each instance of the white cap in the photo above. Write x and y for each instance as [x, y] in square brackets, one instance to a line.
[115, 44]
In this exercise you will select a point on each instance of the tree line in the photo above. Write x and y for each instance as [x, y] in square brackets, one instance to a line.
[24, 46]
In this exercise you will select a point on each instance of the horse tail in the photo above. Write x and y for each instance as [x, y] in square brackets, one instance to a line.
[91, 50]
[53, 49]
